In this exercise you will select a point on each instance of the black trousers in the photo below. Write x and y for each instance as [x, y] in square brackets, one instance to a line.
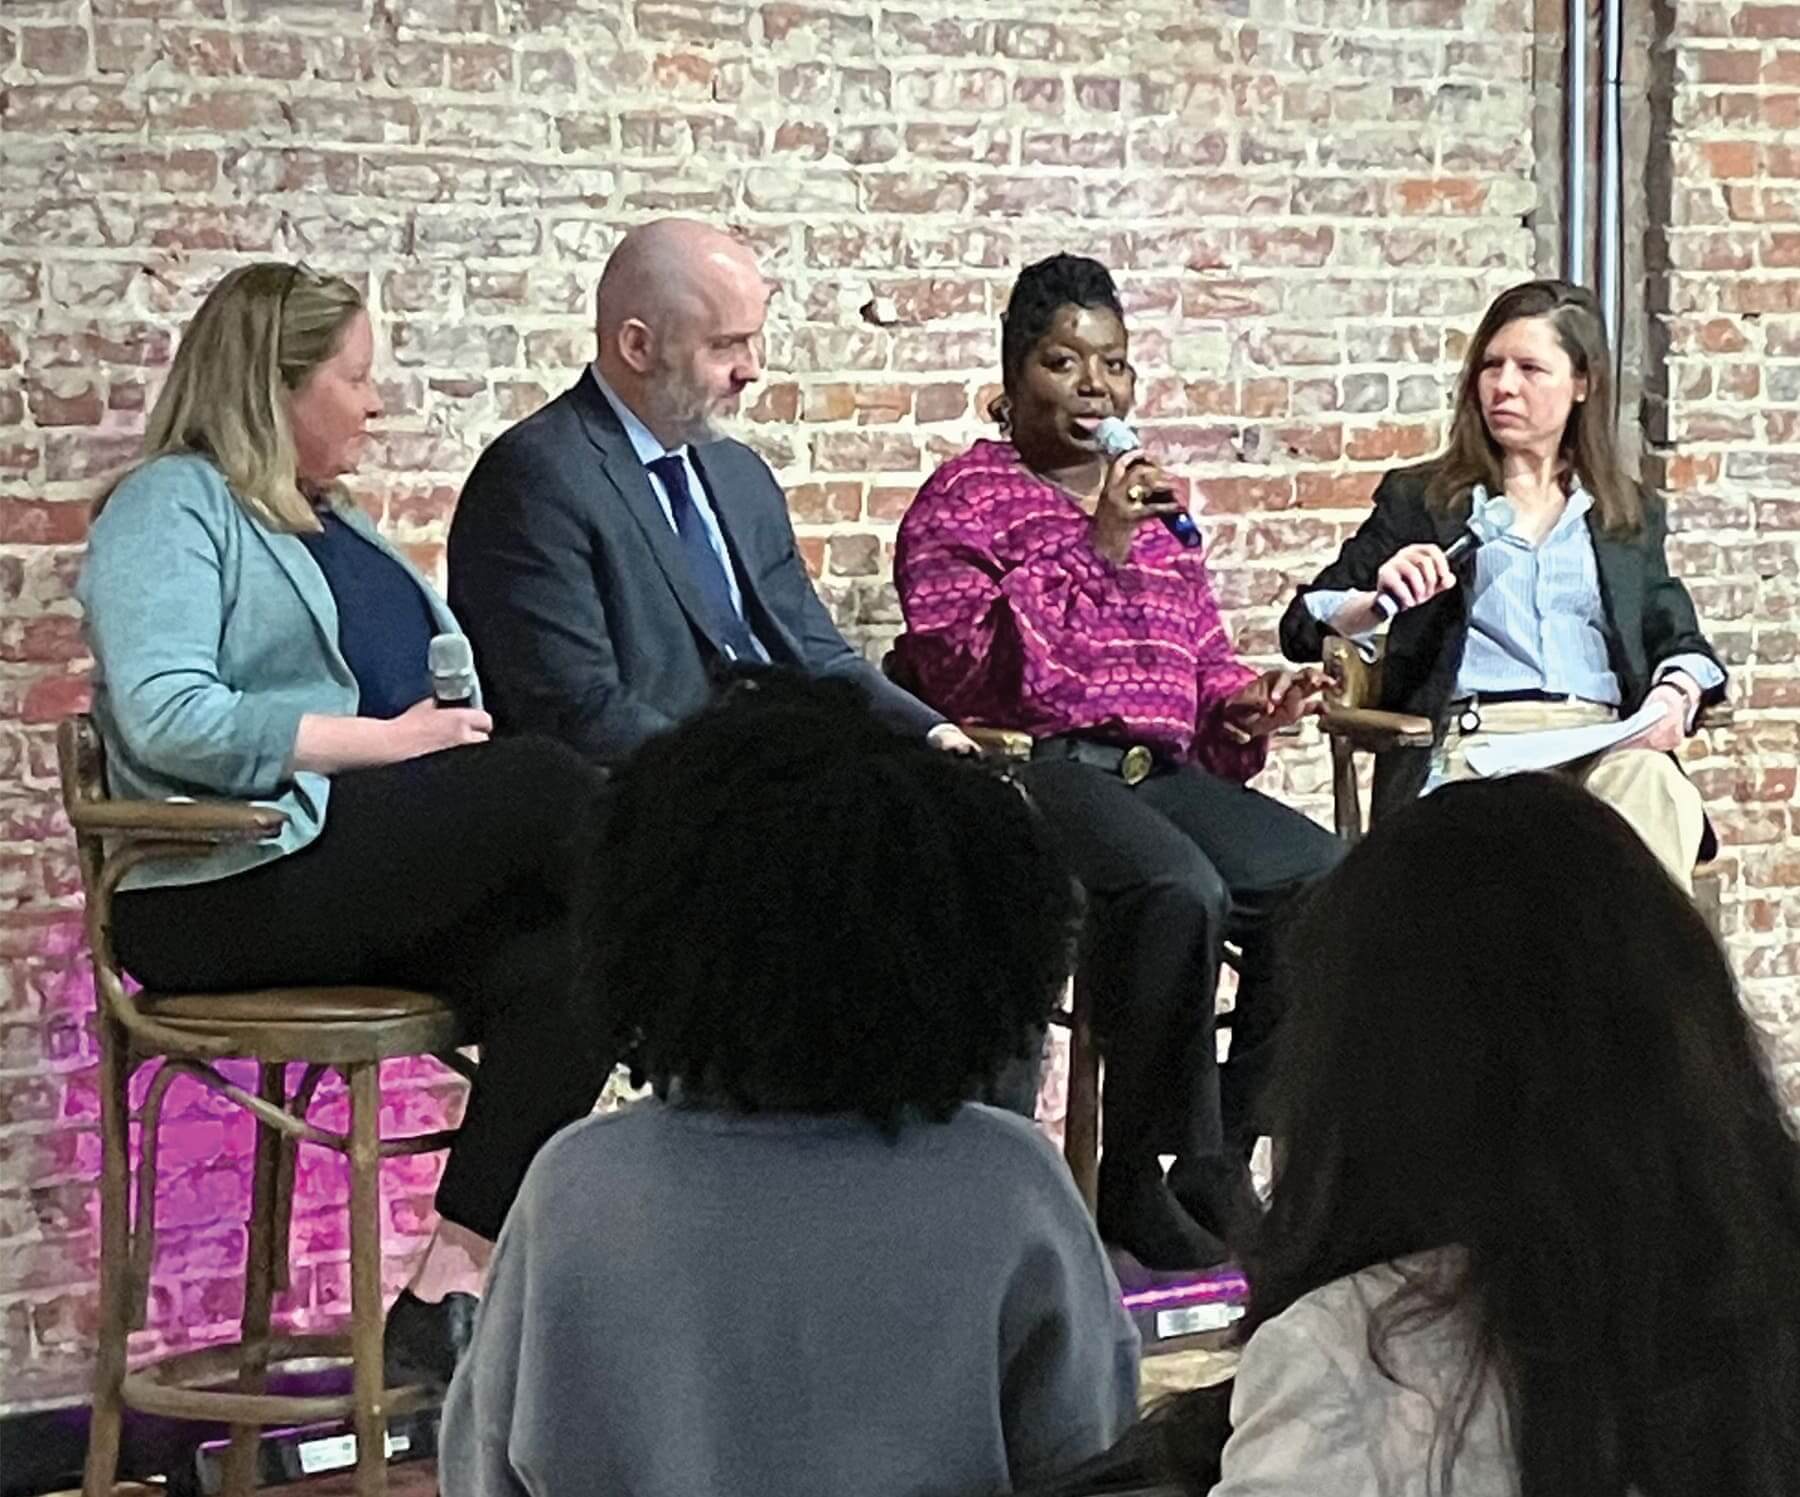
[468, 873]
[1174, 867]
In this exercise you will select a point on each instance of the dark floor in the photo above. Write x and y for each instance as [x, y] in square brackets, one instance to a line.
[1162, 1374]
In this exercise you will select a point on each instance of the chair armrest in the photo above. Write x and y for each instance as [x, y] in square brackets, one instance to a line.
[200, 823]
[1354, 682]
[1001, 743]
[1373, 731]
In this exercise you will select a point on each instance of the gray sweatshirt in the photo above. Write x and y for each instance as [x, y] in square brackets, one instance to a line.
[696, 1303]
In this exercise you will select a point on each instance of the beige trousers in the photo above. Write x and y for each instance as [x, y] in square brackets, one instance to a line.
[1642, 785]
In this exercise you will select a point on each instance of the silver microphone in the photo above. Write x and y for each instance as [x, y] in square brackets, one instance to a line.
[1489, 519]
[1115, 438]
[452, 670]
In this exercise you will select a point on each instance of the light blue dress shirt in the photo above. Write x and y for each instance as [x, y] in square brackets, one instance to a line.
[648, 448]
[1536, 619]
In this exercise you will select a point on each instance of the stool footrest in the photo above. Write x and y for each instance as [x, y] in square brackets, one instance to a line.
[167, 1387]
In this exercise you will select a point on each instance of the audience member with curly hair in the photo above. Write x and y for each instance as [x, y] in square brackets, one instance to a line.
[809, 1266]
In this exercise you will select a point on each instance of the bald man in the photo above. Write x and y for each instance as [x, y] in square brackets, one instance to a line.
[614, 552]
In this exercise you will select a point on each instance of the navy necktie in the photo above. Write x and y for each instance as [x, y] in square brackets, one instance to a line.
[704, 565]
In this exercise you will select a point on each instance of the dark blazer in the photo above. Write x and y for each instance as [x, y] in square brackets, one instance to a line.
[1649, 617]
[573, 587]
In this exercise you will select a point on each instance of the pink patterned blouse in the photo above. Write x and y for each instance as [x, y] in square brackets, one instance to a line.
[1015, 620]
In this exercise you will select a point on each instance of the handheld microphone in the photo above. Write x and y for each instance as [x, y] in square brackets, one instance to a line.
[1115, 437]
[452, 670]
[1488, 519]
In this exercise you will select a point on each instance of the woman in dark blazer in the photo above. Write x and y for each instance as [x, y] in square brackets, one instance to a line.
[1569, 618]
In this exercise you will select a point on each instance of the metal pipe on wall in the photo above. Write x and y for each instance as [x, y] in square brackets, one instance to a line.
[1575, 144]
[1612, 218]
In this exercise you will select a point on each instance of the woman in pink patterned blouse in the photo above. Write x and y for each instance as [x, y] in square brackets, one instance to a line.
[1045, 589]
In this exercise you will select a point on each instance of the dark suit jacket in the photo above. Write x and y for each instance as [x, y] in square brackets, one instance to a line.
[574, 590]
[1649, 617]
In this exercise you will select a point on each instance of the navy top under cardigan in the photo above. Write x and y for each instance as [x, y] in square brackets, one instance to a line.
[384, 623]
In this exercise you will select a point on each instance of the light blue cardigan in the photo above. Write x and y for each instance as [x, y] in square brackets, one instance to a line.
[212, 635]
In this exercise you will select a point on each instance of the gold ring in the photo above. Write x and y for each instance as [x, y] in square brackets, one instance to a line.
[1137, 493]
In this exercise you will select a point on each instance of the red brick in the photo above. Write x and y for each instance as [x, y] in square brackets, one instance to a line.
[479, 67]
[947, 402]
[66, 402]
[54, 51]
[271, 55]
[902, 32]
[1387, 442]
[1768, 22]
[831, 32]
[47, 108]
[825, 503]
[915, 192]
[864, 452]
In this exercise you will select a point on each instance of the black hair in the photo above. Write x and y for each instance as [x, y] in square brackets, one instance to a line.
[1508, 1031]
[1042, 290]
[803, 910]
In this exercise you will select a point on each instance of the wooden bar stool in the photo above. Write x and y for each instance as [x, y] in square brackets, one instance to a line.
[350, 1030]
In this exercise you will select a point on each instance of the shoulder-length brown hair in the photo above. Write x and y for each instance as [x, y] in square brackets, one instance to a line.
[258, 335]
[1590, 448]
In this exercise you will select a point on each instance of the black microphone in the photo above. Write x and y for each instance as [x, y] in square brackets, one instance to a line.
[1488, 519]
[1115, 438]
[452, 670]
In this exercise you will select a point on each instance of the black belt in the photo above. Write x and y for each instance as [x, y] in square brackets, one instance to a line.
[1467, 710]
[1515, 696]
[1130, 764]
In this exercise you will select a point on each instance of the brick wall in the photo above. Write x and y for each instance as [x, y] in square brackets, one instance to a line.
[1722, 438]
[1307, 201]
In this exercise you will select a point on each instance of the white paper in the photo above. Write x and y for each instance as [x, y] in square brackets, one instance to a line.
[1514, 753]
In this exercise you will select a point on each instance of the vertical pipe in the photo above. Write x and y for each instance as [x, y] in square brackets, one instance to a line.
[1611, 177]
[1575, 145]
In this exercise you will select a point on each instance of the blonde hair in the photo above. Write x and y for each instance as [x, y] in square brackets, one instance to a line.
[258, 335]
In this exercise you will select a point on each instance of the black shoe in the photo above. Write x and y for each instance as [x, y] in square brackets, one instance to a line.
[1217, 1192]
[1139, 1213]
[421, 1342]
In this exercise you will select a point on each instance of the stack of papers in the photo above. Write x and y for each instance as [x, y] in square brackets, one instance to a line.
[1515, 753]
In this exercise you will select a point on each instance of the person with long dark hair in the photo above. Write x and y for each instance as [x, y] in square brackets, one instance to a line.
[1043, 592]
[1537, 1229]
[808, 1267]
[1569, 619]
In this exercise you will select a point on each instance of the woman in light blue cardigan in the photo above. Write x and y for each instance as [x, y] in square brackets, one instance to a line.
[255, 637]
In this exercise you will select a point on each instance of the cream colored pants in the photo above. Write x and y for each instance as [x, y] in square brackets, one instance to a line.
[1642, 785]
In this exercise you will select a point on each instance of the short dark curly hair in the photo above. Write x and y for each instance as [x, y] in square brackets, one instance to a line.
[1041, 291]
[802, 910]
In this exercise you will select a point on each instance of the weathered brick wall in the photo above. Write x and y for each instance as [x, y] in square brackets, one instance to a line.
[1722, 438]
[1306, 200]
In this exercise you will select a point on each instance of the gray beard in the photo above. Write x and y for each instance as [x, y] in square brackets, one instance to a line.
[683, 411]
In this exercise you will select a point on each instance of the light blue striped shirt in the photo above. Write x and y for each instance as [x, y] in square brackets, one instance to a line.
[648, 448]
[1537, 621]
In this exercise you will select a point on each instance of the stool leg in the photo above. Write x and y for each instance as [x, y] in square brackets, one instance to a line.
[1081, 1121]
[259, 1285]
[115, 1264]
[365, 1278]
